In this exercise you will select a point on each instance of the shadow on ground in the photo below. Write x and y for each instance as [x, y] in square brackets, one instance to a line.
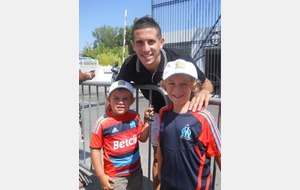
[92, 182]
[81, 155]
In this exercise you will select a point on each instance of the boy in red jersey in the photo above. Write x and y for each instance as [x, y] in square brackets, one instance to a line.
[117, 132]
[187, 140]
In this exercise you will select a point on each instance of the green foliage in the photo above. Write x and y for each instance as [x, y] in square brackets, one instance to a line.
[128, 39]
[106, 59]
[105, 35]
[89, 53]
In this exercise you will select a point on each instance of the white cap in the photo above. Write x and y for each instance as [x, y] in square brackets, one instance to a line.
[121, 84]
[180, 66]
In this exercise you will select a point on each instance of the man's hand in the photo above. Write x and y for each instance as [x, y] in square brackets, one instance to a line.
[90, 75]
[197, 101]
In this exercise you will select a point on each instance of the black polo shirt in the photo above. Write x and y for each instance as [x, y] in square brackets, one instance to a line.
[133, 70]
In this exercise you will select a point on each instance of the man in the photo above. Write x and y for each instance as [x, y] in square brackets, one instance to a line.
[146, 67]
[115, 70]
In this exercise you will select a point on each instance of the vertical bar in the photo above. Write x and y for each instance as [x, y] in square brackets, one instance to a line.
[137, 99]
[98, 101]
[105, 92]
[124, 37]
[90, 106]
[149, 147]
[82, 123]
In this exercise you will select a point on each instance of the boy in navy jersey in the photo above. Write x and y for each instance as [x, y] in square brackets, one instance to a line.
[187, 140]
[117, 132]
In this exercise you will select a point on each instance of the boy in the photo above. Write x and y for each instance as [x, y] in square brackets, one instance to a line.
[117, 133]
[187, 140]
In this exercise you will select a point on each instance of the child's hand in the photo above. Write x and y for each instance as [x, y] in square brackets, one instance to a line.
[148, 114]
[105, 181]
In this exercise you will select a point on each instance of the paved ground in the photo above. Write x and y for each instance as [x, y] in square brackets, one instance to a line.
[89, 115]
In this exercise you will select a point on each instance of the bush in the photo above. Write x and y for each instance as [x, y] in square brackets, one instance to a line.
[106, 59]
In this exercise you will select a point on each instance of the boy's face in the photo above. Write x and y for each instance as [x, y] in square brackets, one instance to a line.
[120, 101]
[179, 88]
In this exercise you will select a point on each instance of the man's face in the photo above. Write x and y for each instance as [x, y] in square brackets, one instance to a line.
[147, 46]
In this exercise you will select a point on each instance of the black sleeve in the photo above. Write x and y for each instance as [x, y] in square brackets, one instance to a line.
[201, 75]
[127, 69]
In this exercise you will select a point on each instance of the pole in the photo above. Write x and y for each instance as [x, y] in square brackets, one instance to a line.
[124, 38]
[149, 147]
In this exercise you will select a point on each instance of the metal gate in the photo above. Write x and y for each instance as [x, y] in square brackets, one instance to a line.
[194, 26]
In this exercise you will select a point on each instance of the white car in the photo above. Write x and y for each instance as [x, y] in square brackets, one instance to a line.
[87, 61]
[88, 64]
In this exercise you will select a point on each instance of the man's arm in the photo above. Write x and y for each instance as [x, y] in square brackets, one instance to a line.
[85, 76]
[115, 70]
[202, 97]
[207, 85]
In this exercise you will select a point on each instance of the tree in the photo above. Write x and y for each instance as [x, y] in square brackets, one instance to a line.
[106, 35]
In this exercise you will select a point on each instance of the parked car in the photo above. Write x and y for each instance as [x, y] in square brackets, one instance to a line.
[88, 64]
[87, 61]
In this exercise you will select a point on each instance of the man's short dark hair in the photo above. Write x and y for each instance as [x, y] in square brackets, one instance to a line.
[146, 22]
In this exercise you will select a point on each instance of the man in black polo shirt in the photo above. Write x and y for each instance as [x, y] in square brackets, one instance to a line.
[146, 67]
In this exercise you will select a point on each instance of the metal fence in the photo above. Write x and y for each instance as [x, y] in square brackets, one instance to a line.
[92, 97]
[194, 26]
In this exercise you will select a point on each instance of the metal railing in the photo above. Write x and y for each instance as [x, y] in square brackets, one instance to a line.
[194, 26]
[92, 100]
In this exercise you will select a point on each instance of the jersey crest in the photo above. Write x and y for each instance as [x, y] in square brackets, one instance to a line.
[186, 133]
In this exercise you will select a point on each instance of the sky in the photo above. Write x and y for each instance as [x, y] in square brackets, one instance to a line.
[97, 13]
